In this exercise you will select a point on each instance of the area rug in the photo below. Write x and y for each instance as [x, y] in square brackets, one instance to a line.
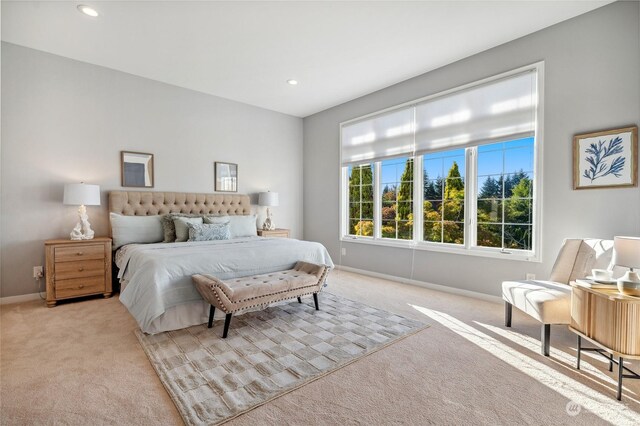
[266, 354]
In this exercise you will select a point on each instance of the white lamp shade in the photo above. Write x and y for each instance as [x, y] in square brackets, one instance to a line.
[269, 199]
[77, 194]
[626, 251]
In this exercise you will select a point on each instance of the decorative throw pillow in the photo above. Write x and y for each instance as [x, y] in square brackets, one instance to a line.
[243, 226]
[208, 231]
[182, 229]
[169, 227]
[135, 229]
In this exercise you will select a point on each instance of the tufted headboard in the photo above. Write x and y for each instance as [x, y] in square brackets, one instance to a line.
[147, 203]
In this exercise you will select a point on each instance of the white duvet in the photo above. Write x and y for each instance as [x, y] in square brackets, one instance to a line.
[158, 275]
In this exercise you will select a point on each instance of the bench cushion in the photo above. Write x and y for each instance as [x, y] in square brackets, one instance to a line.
[256, 290]
[547, 301]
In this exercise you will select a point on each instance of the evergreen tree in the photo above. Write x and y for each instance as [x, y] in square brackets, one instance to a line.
[405, 193]
[491, 188]
[361, 199]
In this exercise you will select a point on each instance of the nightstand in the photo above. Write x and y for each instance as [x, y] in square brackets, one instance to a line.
[76, 268]
[278, 233]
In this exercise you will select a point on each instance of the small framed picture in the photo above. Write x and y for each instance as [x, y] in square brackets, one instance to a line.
[137, 169]
[226, 177]
[606, 159]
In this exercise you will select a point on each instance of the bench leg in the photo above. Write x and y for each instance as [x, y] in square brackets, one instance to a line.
[544, 337]
[620, 371]
[579, 346]
[212, 310]
[315, 301]
[508, 312]
[227, 322]
[299, 299]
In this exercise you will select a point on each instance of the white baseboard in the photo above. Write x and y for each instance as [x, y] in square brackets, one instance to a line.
[19, 299]
[438, 287]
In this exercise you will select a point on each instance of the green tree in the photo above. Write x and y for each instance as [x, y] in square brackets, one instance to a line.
[361, 200]
[405, 193]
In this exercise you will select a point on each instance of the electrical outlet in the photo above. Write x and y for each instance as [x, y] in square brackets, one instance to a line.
[38, 272]
[344, 251]
[530, 276]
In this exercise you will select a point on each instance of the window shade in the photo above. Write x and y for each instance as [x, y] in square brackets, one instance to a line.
[499, 110]
[386, 135]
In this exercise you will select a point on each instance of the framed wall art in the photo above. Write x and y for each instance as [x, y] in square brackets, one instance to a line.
[226, 177]
[137, 169]
[606, 159]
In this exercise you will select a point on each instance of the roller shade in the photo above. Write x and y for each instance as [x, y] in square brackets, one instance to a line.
[383, 136]
[498, 110]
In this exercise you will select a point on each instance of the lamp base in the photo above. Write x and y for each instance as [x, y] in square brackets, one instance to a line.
[629, 284]
[268, 224]
[82, 230]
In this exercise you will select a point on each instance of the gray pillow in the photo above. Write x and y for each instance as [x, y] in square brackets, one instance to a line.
[208, 231]
[216, 219]
[182, 229]
[135, 229]
[169, 227]
[243, 226]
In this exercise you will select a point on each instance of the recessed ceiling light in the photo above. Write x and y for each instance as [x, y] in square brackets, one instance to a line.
[292, 82]
[89, 11]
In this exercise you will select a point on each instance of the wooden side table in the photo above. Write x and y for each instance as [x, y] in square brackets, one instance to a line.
[76, 268]
[278, 232]
[610, 321]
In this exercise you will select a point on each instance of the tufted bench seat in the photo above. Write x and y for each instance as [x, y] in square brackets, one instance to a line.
[253, 291]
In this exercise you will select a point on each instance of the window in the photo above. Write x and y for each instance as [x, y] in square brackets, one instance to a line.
[456, 171]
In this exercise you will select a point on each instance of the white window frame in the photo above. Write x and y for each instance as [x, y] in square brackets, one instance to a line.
[470, 232]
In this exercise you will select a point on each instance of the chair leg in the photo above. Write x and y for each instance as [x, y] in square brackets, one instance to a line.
[578, 354]
[508, 312]
[620, 371]
[610, 362]
[212, 310]
[299, 299]
[227, 322]
[545, 335]
[315, 301]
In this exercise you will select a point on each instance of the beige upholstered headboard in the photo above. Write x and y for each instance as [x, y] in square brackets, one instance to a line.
[148, 203]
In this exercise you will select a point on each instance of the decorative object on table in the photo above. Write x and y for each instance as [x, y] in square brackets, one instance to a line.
[268, 199]
[270, 353]
[626, 252]
[81, 194]
[137, 169]
[606, 159]
[274, 233]
[226, 177]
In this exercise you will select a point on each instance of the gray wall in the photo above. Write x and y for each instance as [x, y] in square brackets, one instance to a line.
[65, 121]
[592, 69]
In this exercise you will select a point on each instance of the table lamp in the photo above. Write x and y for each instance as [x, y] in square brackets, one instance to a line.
[81, 194]
[268, 199]
[626, 252]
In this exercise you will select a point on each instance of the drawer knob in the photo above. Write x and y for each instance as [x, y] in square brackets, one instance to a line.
[79, 253]
[81, 286]
[80, 269]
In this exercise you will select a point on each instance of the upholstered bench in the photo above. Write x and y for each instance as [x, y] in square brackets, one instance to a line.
[238, 294]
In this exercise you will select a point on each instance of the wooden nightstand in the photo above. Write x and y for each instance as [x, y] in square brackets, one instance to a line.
[76, 268]
[278, 232]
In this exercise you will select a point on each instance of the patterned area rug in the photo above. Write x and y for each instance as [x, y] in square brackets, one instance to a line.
[267, 353]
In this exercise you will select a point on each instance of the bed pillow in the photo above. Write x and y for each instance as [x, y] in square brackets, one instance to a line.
[135, 229]
[208, 231]
[243, 226]
[215, 219]
[169, 227]
[182, 228]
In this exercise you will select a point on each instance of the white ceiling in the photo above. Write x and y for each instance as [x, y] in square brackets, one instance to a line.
[246, 51]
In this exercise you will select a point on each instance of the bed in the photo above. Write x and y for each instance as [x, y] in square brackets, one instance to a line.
[155, 278]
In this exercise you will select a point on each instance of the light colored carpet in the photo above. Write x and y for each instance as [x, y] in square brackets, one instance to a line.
[266, 354]
[81, 362]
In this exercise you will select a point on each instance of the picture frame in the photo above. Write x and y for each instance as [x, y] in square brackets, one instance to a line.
[226, 177]
[137, 169]
[606, 159]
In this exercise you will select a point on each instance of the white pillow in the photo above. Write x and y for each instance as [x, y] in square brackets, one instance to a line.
[243, 226]
[135, 229]
[182, 230]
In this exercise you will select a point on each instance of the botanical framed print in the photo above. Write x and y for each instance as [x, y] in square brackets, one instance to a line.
[137, 169]
[226, 177]
[606, 159]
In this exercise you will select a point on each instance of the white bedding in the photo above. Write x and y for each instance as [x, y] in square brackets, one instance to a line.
[159, 292]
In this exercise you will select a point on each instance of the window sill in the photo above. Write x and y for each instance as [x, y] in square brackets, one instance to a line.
[478, 251]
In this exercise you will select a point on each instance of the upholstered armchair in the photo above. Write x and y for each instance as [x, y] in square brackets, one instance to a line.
[549, 301]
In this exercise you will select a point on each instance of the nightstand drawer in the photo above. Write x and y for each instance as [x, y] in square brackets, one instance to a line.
[79, 286]
[83, 268]
[79, 252]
